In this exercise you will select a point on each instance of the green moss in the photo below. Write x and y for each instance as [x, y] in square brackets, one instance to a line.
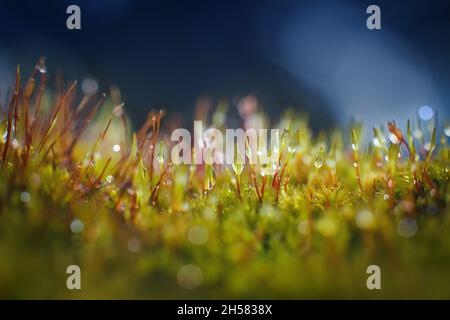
[312, 233]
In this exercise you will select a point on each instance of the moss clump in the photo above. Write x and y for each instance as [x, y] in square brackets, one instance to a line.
[77, 186]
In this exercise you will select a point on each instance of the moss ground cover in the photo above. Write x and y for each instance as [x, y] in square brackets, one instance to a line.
[78, 185]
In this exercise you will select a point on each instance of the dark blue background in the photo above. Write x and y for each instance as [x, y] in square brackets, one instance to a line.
[167, 53]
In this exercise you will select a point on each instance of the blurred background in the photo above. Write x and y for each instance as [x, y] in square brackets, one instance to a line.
[315, 56]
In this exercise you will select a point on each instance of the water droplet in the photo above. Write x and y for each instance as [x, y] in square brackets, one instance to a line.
[319, 160]
[376, 142]
[275, 166]
[264, 170]
[110, 179]
[355, 146]
[118, 111]
[386, 197]
[355, 164]
[318, 163]
[425, 113]
[41, 68]
[116, 148]
[447, 131]
[292, 148]
[393, 138]
[15, 144]
[160, 157]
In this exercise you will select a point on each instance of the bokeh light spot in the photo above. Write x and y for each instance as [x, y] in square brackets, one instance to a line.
[407, 227]
[189, 276]
[76, 226]
[198, 235]
[426, 112]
